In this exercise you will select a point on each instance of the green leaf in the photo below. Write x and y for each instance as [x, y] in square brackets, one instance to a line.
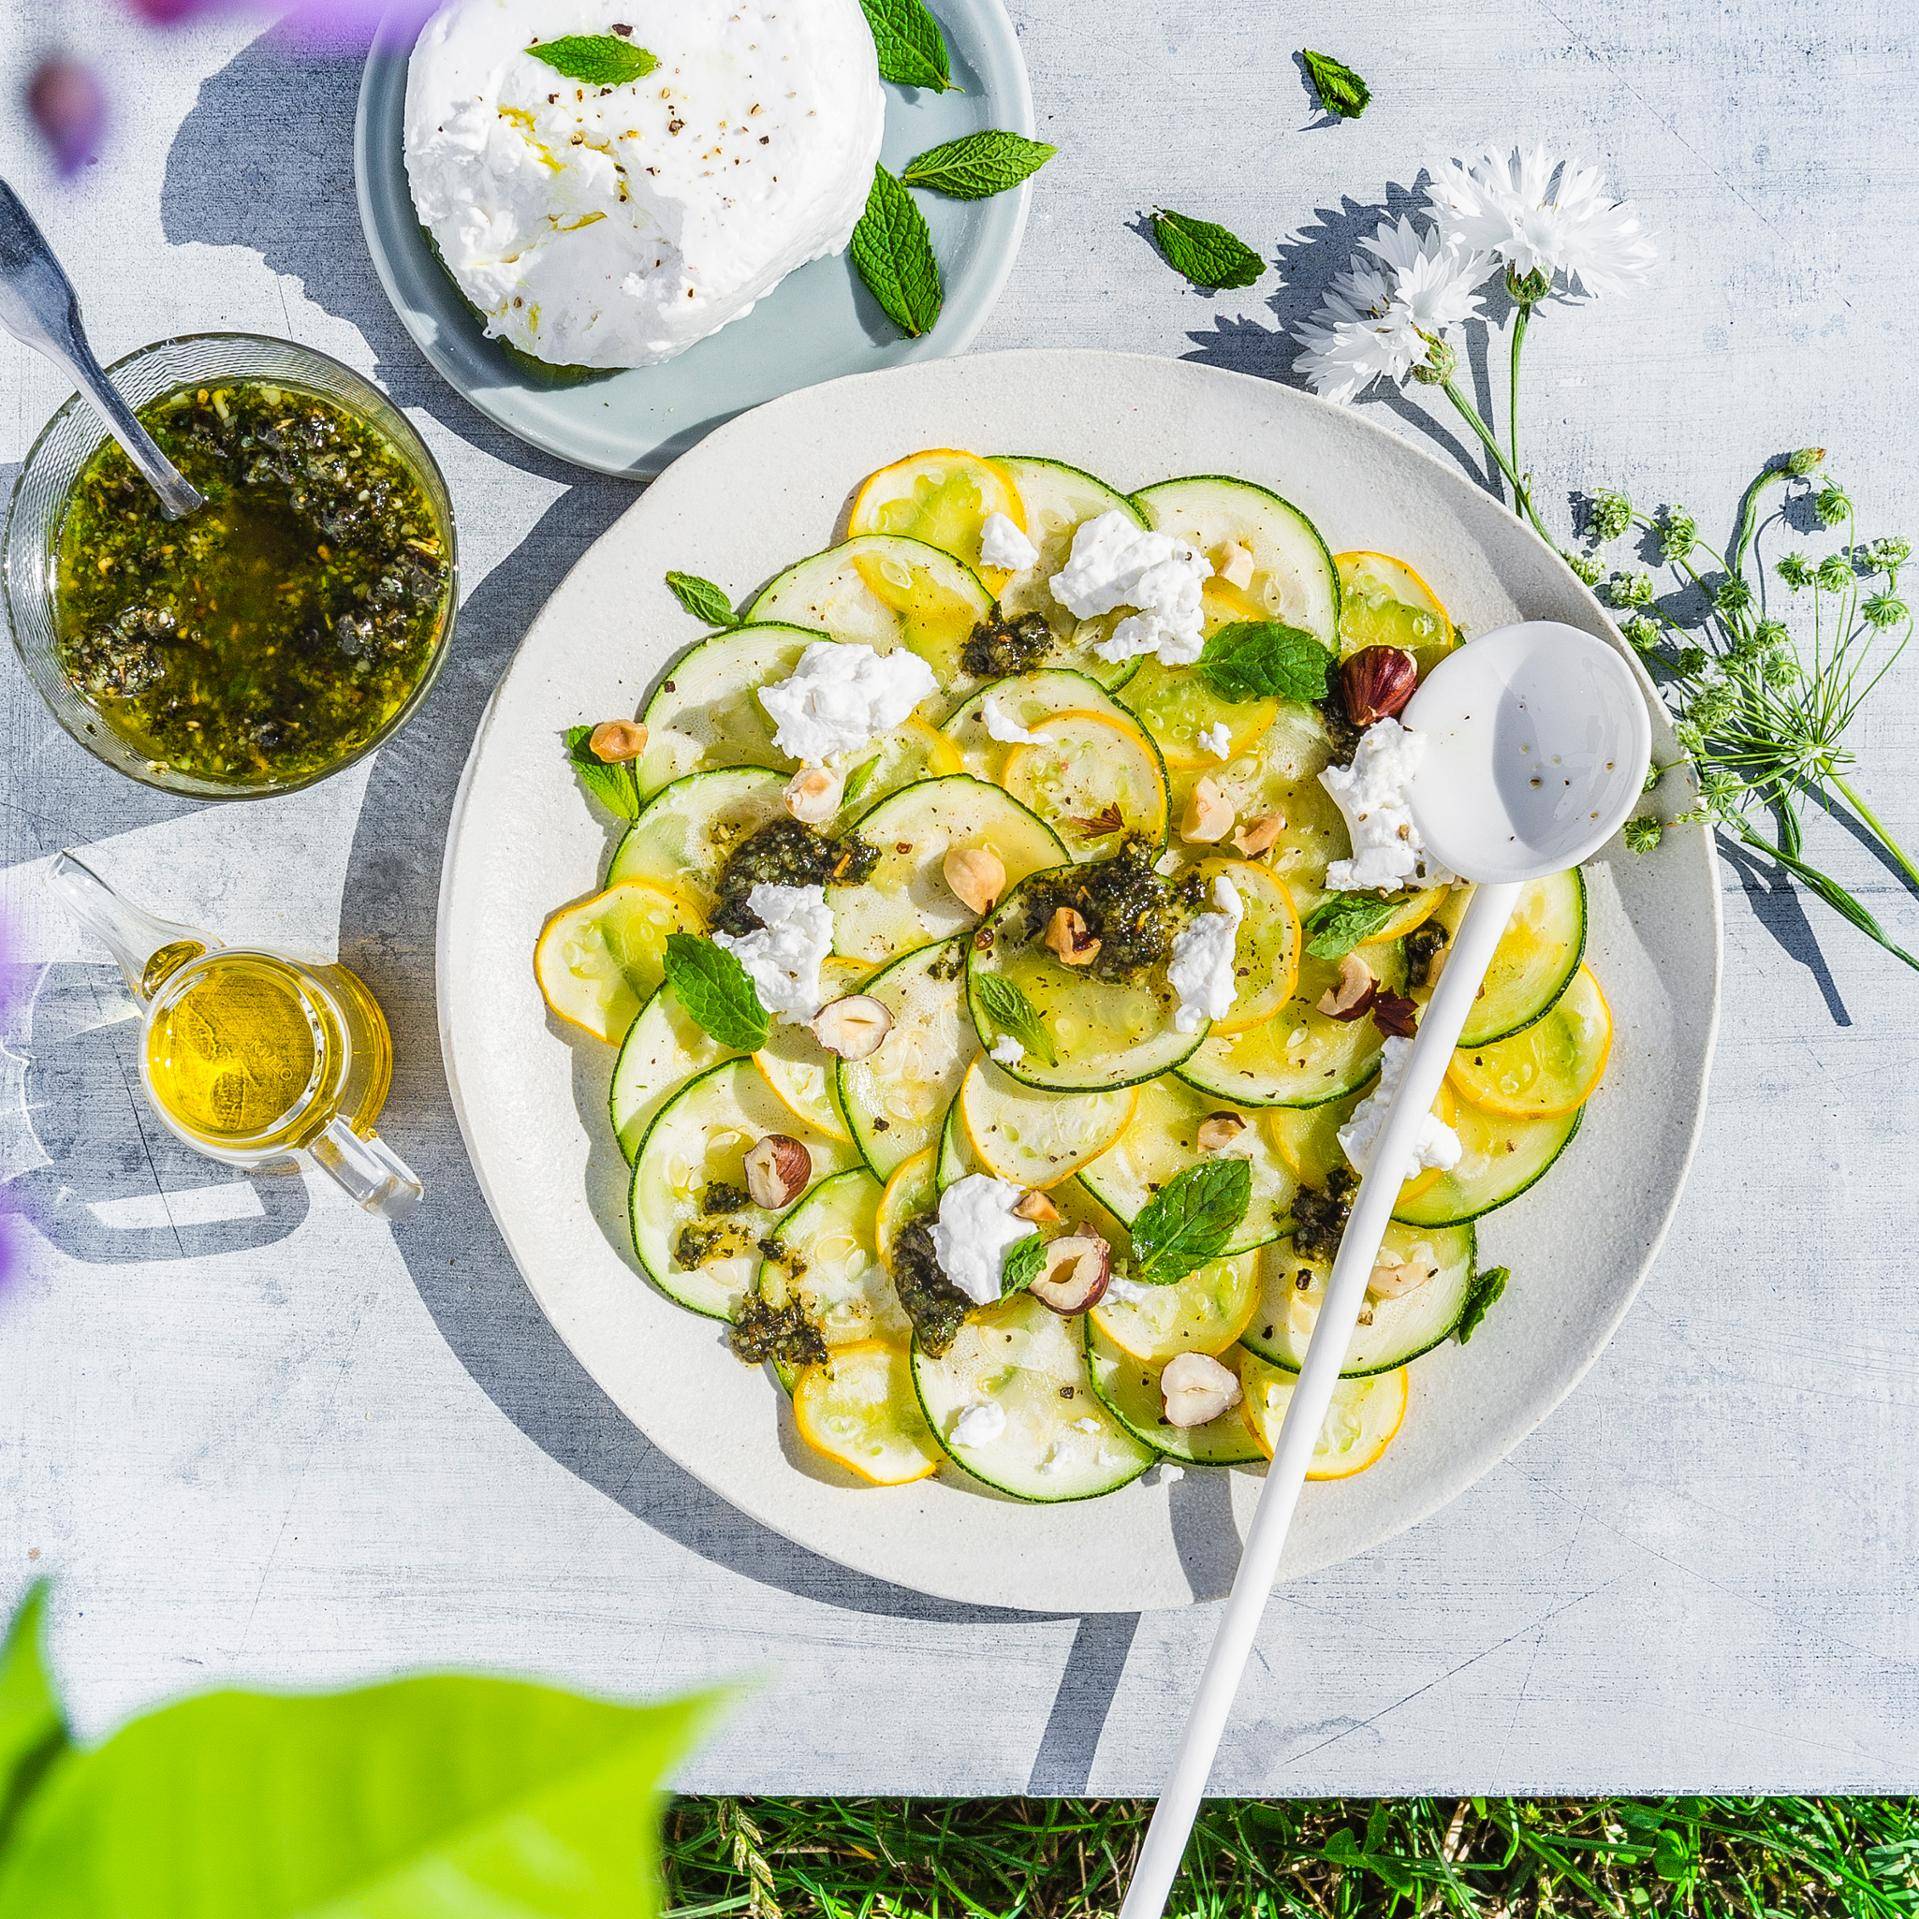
[1341, 920]
[1190, 1219]
[428, 1798]
[598, 59]
[1341, 91]
[1015, 1015]
[1025, 1261]
[33, 1727]
[860, 779]
[893, 253]
[703, 599]
[717, 991]
[978, 165]
[907, 39]
[1481, 1297]
[1208, 255]
[612, 784]
[1264, 660]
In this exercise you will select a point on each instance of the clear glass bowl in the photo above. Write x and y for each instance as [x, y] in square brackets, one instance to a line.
[70, 439]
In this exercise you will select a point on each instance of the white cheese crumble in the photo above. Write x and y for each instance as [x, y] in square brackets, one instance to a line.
[1006, 1051]
[973, 1230]
[1436, 1145]
[1201, 969]
[842, 696]
[1002, 726]
[1004, 545]
[1115, 562]
[1128, 1292]
[1217, 740]
[614, 226]
[979, 1424]
[1388, 853]
[782, 955]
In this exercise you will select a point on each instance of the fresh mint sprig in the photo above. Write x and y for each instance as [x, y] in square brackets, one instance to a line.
[1025, 1261]
[611, 782]
[1341, 91]
[908, 42]
[1481, 1297]
[703, 599]
[1015, 1015]
[1190, 1219]
[717, 992]
[1206, 253]
[892, 252]
[595, 59]
[1264, 660]
[977, 165]
[1342, 920]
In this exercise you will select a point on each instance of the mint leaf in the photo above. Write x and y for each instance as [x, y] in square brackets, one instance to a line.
[1481, 1297]
[613, 785]
[1190, 1219]
[1342, 93]
[1341, 920]
[717, 991]
[978, 165]
[893, 253]
[860, 779]
[598, 59]
[1264, 660]
[1025, 1261]
[1013, 1013]
[703, 599]
[1208, 255]
[908, 42]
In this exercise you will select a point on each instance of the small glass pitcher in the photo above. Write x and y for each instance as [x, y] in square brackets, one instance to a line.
[250, 1055]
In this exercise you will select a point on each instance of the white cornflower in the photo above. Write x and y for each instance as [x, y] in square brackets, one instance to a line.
[1538, 213]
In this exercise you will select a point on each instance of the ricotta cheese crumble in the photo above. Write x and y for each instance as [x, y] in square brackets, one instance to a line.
[783, 954]
[1115, 562]
[613, 226]
[1002, 726]
[1216, 740]
[1436, 1145]
[1002, 544]
[1201, 969]
[841, 697]
[1006, 1051]
[1388, 853]
[973, 1229]
[979, 1424]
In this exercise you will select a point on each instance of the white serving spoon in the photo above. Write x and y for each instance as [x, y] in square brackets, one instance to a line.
[1538, 743]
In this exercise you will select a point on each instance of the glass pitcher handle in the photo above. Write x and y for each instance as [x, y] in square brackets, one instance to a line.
[377, 1177]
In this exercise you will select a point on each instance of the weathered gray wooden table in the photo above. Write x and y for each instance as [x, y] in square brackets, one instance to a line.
[257, 1437]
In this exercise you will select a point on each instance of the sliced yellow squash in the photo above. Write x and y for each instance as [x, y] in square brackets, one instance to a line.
[941, 496]
[1418, 909]
[910, 1192]
[1547, 1068]
[1266, 951]
[1034, 1138]
[1361, 1422]
[860, 1410]
[601, 959]
[1383, 602]
[1094, 779]
[1203, 1313]
[1307, 1138]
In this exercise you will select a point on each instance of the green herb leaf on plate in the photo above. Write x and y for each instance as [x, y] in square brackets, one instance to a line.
[1190, 1219]
[717, 991]
[893, 253]
[1264, 660]
[860, 779]
[910, 46]
[703, 599]
[1481, 1297]
[1341, 91]
[596, 59]
[1015, 1015]
[1025, 1261]
[611, 783]
[978, 165]
[33, 1725]
[1207, 254]
[1342, 920]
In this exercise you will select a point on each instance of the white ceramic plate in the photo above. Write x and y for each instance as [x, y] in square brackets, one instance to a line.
[759, 493]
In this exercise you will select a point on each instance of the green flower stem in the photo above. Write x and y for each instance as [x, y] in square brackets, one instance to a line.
[1876, 827]
[1522, 499]
[1843, 902]
[1521, 320]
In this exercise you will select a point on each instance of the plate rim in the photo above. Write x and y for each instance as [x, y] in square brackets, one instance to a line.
[1442, 1487]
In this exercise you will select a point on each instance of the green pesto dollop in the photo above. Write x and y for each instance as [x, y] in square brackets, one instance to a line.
[268, 637]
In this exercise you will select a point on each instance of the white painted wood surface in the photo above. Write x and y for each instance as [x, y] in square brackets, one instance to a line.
[259, 1439]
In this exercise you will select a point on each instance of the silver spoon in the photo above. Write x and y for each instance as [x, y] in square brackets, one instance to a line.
[39, 308]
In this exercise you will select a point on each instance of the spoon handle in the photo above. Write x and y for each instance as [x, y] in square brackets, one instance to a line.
[39, 308]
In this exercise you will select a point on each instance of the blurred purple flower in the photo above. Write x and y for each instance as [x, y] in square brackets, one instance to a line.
[69, 107]
[342, 22]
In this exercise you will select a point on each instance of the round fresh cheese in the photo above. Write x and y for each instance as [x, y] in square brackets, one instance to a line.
[612, 225]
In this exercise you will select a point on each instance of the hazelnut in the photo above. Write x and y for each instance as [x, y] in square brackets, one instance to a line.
[813, 795]
[1353, 992]
[1078, 1267]
[975, 875]
[1209, 813]
[852, 1027]
[1394, 1282]
[1258, 835]
[1196, 1388]
[617, 740]
[1035, 1206]
[1068, 937]
[1235, 564]
[1376, 683]
[777, 1170]
[1217, 1131]
[1395, 1014]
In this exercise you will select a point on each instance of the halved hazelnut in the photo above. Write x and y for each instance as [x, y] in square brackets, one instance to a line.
[813, 795]
[1196, 1388]
[1258, 835]
[1035, 1206]
[976, 876]
[1217, 1131]
[1394, 1282]
[1068, 936]
[1209, 813]
[777, 1170]
[1376, 682]
[852, 1027]
[1395, 1014]
[1235, 564]
[1076, 1273]
[617, 740]
[1350, 995]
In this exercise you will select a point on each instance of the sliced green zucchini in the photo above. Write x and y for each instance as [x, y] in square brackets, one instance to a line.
[1036, 1139]
[905, 902]
[686, 830]
[801, 1073]
[700, 1138]
[895, 1098]
[1391, 1330]
[1535, 960]
[1129, 1389]
[662, 1050]
[1501, 1158]
[706, 713]
[1011, 1403]
[955, 1158]
[829, 1263]
[1176, 707]
[1026, 699]
[883, 591]
[1160, 1143]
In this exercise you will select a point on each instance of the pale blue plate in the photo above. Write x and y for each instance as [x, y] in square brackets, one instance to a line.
[818, 324]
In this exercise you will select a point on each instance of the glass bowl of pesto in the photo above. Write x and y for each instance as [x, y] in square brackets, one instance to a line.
[269, 639]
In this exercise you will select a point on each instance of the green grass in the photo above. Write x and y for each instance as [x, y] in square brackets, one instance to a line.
[1299, 1859]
